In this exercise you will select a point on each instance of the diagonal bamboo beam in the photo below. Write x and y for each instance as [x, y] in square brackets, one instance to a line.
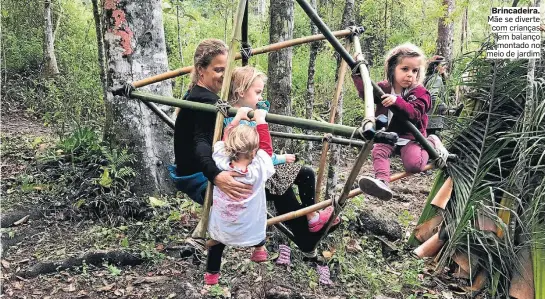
[261, 50]
[202, 227]
[325, 144]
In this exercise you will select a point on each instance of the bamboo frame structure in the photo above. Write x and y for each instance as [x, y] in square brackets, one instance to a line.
[367, 131]
[261, 50]
[325, 143]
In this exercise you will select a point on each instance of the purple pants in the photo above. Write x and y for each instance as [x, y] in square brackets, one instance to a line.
[413, 156]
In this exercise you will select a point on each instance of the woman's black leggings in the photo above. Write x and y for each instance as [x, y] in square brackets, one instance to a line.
[288, 202]
[213, 261]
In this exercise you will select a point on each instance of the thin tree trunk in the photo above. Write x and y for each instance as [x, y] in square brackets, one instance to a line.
[51, 67]
[58, 21]
[101, 65]
[180, 45]
[135, 44]
[335, 149]
[445, 32]
[314, 48]
[280, 64]
[464, 37]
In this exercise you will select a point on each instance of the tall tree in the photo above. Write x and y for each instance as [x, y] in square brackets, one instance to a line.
[100, 47]
[50, 59]
[314, 47]
[335, 149]
[279, 73]
[445, 31]
[135, 47]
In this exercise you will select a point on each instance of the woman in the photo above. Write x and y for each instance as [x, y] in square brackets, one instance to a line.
[193, 145]
[436, 75]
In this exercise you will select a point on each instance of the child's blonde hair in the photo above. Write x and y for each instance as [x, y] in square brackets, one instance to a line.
[242, 142]
[394, 57]
[241, 80]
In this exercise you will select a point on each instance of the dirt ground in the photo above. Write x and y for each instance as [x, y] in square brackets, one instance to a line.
[359, 268]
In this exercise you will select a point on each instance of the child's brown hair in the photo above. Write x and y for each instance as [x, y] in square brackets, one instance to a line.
[241, 80]
[242, 142]
[394, 57]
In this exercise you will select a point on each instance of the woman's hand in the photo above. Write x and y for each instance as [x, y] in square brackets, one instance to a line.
[242, 114]
[231, 187]
[259, 116]
[388, 100]
[290, 158]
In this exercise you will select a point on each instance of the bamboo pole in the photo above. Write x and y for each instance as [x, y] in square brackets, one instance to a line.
[336, 129]
[261, 50]
[332, 114]
[203, 224]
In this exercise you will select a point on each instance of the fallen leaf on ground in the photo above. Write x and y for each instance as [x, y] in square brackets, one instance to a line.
[106, 287]
[18, 285]
[5, 264]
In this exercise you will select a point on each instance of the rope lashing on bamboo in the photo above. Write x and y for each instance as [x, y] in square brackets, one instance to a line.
[246, 51]
[356, 68]
[223, 107]
[327, 137]
[356, 30]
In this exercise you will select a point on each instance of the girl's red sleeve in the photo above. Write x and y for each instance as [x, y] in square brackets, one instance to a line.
[265, 142]
[415, 106]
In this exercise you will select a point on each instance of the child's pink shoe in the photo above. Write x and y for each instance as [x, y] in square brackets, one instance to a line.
[259, 256]
[211, 278]
[324, 216]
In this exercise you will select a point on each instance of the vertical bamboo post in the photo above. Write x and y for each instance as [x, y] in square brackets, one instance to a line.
[233, 48]
[332, 114]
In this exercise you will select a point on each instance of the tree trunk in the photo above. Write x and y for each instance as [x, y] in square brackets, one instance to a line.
[445, 32]
[51, 67]
[182, 88]
[135, 45]
[314, 48]
[260, 8]
[101, 59]
[279, 73]
[335, 149]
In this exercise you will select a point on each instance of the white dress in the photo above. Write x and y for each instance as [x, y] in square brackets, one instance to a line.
[241, 223]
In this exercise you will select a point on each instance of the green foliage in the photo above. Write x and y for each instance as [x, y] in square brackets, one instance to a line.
[74, 96]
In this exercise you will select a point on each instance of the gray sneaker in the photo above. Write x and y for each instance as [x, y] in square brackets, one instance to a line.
[375, 187]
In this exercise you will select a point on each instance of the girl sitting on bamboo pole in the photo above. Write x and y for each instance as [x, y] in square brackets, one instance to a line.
[246, 150]
[246, 91]
[404, 68]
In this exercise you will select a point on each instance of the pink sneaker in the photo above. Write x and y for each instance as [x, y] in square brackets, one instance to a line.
[211, 278]
[324, 216]
[259, 256]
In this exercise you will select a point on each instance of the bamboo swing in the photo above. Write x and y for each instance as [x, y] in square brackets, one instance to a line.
[363, 136]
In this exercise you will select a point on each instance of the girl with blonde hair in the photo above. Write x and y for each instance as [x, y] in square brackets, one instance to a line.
[246, 150]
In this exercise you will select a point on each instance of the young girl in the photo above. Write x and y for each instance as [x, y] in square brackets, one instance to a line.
[404, 68]
[246, 150]
[246, 90]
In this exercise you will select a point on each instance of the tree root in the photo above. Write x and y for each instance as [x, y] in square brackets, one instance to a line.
[10, 218]
[379, 222]
[120, 258]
